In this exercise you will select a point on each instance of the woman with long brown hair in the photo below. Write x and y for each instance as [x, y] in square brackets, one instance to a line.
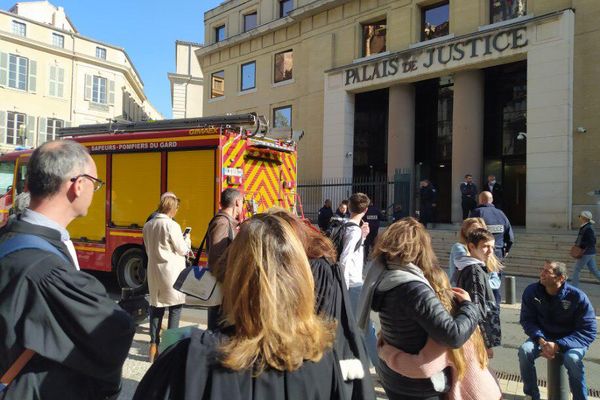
[332, 301]
[274, 345]
[471, 378]
[398, 288]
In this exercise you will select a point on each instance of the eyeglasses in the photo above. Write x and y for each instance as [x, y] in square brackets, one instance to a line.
[97, 182]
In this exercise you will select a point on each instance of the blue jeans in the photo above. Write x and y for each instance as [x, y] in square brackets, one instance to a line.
[572, 360]
[590, 261]
[370, 339]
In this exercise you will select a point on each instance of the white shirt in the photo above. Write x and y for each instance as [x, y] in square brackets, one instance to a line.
[351, 260]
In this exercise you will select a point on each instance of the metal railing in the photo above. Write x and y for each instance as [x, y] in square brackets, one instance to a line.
[392, 195]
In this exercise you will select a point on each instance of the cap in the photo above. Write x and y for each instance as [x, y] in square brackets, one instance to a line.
[587, 215]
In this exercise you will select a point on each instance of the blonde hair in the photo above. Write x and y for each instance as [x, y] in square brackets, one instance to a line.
[441, 285]
[406, 241]
[168, 204]
[268, 297]
[469, 224]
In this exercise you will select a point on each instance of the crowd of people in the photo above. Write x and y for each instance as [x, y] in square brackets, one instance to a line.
[294, 322]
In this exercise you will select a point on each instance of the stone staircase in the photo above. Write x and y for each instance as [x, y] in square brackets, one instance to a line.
[527, 256]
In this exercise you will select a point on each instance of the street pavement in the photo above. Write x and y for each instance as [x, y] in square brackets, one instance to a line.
[504, 362]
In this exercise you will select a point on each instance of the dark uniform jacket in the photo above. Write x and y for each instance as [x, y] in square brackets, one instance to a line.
[325, 214]
[498, 225]
[80, 336]
[568, 318]
[586, 239]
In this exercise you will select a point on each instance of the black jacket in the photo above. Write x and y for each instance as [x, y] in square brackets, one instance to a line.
[472, 276]
[80, 336]
[325, 214]
[586, 239]
[409, 314]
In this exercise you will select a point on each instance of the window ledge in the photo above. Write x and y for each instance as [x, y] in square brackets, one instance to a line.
[504, 23]
[370, 57]
[247, 91]
[284, 83]
[215, 99]
[431, 41]
[98, 106]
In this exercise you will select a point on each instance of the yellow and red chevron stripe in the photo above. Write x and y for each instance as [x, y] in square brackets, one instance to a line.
[289, 179]
[233, 157]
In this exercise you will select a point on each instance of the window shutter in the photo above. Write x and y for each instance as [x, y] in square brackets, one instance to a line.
[32, 75]
[2, 126]
[111, 93]
[30, 130]
[60, 81]
[3, 69]
[52, 81]
[88, 87]
[42, 128]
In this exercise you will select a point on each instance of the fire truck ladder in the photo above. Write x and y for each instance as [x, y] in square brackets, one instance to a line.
[240, 121]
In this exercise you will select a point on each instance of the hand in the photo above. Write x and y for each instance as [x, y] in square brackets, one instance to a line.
[490, 353]
[188, 240]
[461, 295]
[365, 229]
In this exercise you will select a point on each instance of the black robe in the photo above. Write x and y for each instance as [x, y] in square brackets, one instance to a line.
[190, 370]
[80, 336]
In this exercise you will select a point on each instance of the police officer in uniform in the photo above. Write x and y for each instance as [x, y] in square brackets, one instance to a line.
[498, 225]
[468, 192]
[428, 200]
[374, 216]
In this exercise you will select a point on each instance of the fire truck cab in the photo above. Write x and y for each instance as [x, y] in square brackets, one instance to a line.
[194, 158]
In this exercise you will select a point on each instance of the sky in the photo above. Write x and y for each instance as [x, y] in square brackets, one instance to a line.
[146, 29]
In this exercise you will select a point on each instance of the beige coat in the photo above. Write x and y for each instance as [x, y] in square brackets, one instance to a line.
[166, 249]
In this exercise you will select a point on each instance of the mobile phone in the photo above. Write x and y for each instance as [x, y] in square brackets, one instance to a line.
[187, 231]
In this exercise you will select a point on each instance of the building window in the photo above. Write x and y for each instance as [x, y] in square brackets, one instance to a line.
[284, 64]
[56, 81]
[282, 117]
[219, 33]
[101, 53]
[435, 21]
[217, 84]
[17, 72]
[19, 28]
[15, 128]
[248, 80]
[373, 38]
[53, 126]
[99, 90]
[250, 21]
[285, 6]
[58, 40]
[502, 10]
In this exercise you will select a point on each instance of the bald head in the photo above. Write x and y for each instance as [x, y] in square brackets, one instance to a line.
[486, 197]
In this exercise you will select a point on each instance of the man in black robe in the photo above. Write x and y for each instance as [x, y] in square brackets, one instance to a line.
[80, 337]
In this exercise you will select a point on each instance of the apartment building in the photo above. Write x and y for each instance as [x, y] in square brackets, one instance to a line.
[439, 88]
[187, 83]
[51, 76]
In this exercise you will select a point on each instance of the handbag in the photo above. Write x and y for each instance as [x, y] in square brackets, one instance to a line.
[576, 251]
[135, 305]
[198, 282]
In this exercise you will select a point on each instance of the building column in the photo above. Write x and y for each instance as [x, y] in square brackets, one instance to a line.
[467, 133]
[338, 129]
[401, 128]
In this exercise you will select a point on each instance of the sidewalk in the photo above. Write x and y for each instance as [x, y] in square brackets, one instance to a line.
[505, 361]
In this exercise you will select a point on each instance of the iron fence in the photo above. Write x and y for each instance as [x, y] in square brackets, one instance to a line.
[392, 195]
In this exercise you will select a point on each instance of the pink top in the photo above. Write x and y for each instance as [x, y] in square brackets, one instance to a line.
[477, 383]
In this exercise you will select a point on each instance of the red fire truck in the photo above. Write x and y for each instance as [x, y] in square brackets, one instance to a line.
[194, 158]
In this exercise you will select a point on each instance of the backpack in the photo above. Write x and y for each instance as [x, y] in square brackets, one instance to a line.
[336, 232]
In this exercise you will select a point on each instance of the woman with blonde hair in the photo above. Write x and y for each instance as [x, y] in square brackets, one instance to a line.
[471, 378]
[398, 288]
[274, 345]
[166, 248]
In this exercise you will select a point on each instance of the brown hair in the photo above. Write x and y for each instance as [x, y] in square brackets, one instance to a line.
[406, 241]
[358, 203]
[315, 244]
[268, 297]
[479, 235]
[441, 285]
[168, 204]
[467, 226]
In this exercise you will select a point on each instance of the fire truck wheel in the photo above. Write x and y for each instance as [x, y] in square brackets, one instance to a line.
[131, 270]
